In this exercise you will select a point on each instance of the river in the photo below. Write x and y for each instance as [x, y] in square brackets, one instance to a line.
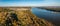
[52, 16]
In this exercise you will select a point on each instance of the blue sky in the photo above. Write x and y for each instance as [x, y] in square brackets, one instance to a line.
[29, 2]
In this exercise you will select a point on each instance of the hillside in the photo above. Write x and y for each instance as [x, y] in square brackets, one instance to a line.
[51, 8]
[21, 17]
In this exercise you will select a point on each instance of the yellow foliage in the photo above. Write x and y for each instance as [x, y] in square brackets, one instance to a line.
[21, 18]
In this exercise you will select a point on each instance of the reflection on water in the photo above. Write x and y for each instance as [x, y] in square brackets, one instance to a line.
[48, 15]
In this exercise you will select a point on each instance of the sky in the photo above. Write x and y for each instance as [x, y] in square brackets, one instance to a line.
[29, 2]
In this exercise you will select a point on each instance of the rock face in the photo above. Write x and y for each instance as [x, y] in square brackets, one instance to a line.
[21, 18]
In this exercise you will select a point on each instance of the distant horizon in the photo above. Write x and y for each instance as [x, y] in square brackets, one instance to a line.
[29, 6]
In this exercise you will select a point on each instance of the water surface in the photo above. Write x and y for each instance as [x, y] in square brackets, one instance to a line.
[48, 15]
